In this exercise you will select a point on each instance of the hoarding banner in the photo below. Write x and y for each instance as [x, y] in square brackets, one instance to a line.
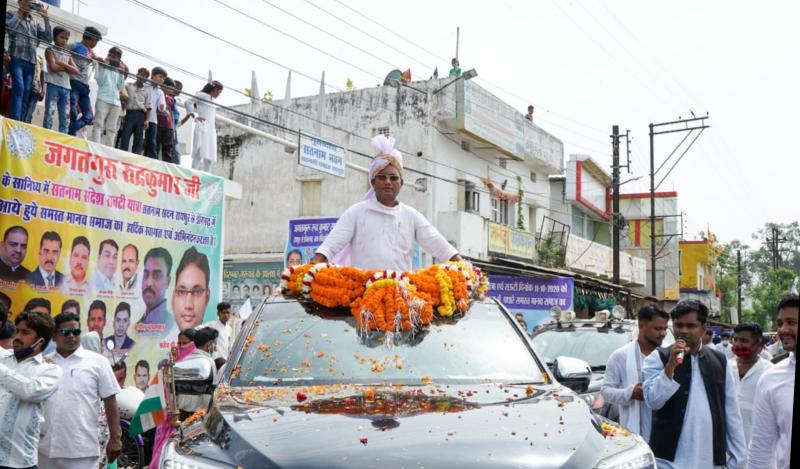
[507, 241]
[253, 280]
[322, 156]
[532, 297]
[130, 243]
[305, 236]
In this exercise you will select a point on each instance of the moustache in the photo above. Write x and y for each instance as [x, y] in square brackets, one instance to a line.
[149, 290]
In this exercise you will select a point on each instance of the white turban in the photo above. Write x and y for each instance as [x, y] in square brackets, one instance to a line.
[385, 156]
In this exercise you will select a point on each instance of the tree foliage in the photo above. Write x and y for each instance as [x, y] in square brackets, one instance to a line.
[762, 284]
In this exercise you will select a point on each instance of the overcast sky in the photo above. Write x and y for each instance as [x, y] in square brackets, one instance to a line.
[585, 65]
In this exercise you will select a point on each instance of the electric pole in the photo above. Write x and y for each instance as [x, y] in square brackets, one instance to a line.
[615, 201]
[668, 127]
[738, 285]
[774, 245]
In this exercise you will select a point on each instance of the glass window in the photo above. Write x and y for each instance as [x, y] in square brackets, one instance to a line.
[589, 343]
[298, 344]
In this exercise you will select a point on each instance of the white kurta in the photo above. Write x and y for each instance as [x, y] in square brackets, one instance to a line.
[694, 445]
[382, 237]
[772, 416]
[623, 373]
[746, 391]
[204, 140]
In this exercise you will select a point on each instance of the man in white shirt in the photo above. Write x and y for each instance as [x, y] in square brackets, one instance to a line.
[103, 280]
[774, 399]
[725, 345]
[70, 431]
[622, 382]
[223, 325]
[696, 420]
[748, 366]
[379, 232]
[26, 381]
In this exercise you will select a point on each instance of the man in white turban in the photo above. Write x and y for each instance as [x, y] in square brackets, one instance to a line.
[380, 231]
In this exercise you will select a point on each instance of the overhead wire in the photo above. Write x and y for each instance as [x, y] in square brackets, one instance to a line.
[324, 123]
[258, 119]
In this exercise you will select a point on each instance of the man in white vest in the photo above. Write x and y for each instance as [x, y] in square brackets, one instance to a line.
[622, 383]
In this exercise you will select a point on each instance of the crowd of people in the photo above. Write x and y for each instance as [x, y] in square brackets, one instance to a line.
[701, 405]
[56, 380]
[144, 110]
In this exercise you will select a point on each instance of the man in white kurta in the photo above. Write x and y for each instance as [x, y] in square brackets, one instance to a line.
[622, 382]
[380, 231]
[694, 445]
[748, 366]
[771, 443]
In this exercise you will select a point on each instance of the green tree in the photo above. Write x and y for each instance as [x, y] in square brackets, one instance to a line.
[725, 275]
[767, 293]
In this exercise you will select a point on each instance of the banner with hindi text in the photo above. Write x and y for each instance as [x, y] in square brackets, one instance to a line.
[130, 243]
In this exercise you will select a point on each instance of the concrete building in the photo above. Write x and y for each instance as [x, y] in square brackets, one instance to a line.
[468, 156]
[697, 281]
[635, 209]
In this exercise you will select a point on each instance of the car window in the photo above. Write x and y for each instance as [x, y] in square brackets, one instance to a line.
[296, 343]
[589, 343]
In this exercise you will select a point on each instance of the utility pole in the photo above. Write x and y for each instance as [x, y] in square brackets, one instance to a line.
[739, 284]
[615, 201]
[688, 125]
[774, 245]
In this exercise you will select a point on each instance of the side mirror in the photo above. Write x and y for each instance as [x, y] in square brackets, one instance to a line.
[573, 373]
[196, 369]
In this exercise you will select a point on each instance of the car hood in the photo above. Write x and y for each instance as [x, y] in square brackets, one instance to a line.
[463, 426]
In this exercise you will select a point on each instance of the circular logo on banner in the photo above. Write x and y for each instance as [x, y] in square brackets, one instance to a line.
[21, 142]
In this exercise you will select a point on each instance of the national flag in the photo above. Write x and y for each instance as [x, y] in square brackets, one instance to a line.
[152, 411]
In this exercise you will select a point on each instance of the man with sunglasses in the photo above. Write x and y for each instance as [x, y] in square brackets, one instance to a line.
[692, 392]
[380, 231]
[72, 413]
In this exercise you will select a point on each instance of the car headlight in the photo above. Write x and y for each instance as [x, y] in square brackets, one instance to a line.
[638, 457]
[172, 459]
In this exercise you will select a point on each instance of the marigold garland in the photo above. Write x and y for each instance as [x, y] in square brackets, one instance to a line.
[388, 300]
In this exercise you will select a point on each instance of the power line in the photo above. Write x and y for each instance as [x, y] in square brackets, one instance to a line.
[324, 31]
[481, 80]
[232, 44]
[307, 44]
[386, 28]
[366, 33]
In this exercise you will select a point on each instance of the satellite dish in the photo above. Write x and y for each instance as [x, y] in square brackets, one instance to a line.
[618, 312]
[394, 75]
[555, 312]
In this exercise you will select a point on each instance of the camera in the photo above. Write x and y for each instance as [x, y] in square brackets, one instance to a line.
[36, 6]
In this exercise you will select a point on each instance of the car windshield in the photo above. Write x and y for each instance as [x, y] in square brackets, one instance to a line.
[589, 343]
[296, 343]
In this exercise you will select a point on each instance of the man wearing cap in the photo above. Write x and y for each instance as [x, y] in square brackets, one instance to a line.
[380, 231]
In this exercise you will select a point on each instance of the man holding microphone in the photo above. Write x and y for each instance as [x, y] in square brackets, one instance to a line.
[692, 392]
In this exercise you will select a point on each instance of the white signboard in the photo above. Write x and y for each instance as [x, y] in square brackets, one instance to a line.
[321, 155]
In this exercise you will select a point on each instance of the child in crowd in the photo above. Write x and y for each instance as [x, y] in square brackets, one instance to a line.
[110, 79]
[83, 55]
[166, 122]
[59, 67]
[137, 105]
[158, 104]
